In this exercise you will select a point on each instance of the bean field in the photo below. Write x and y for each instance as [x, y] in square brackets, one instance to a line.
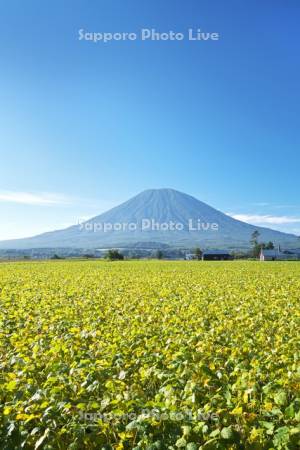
[149, 355]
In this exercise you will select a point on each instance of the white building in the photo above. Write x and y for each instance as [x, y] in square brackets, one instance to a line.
[278, 255]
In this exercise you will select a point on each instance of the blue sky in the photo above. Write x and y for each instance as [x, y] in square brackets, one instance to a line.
[84, 126]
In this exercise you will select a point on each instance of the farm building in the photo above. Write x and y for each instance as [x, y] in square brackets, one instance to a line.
[216, 255]
[278, 255]
[189, 256]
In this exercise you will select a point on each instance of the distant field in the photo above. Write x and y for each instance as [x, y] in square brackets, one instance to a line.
[211, 350]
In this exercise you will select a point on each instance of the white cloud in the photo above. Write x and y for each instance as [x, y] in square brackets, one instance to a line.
[27, 198]
[256, 219]
[261, 204]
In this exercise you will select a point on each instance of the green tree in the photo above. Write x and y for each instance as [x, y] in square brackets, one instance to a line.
[254, 238]
[270, 246]
[159, 254]
[55, 256]
[256, 247]
[198, 253]
[114, 255]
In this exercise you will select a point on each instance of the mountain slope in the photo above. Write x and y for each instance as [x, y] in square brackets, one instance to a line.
[163, 206]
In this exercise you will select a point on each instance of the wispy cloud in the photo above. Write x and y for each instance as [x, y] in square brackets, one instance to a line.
[258, 219]
[261, 204]
[274, 206]
[28, 198]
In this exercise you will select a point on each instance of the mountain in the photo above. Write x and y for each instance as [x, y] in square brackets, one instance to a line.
[154, 217]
